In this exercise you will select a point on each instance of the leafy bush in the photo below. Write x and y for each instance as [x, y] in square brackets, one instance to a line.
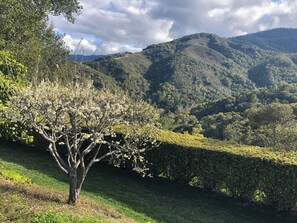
[11, 75]
[250, 173]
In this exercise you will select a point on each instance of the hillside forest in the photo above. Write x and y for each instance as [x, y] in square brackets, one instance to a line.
[222, 88]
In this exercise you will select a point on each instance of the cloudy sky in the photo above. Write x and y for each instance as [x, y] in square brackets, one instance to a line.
[130, 25]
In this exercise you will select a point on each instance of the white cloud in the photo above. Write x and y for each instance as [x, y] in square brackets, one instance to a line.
[129, 25]
[79, 46]
[216, 13]
[226, 17]
[113, 47]
[86, 47]
[118, 21]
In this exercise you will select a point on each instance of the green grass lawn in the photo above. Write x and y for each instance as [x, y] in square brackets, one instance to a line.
[141, 199]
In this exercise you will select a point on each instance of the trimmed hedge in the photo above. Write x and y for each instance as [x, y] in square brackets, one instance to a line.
[251, 173]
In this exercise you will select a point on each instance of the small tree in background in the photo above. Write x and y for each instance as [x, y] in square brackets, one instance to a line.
[83, 120]
[274, 125]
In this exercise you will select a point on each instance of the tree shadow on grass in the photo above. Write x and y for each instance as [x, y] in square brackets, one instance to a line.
[159, 199]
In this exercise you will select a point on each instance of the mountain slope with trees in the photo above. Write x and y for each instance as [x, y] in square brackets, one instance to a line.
[208, 84]
[195, 69]
[280, 39]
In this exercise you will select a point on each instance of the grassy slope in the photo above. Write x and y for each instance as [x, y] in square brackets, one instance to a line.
[119, 196]
[31, 203]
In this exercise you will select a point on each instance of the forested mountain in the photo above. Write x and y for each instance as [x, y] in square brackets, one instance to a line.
[195, 69]
[213, 85]
[281, 40]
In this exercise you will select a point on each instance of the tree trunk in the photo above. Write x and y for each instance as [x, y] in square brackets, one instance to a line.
[73, 187]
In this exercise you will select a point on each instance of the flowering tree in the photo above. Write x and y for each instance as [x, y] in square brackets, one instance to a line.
[82, 121]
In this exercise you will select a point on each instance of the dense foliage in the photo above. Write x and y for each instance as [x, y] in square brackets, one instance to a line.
[281, 39]
[25, 32]
[251, 173]
[12, 74]
[196, 70]
[208, 84]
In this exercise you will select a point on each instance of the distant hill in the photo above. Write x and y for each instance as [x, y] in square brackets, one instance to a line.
[195, 69]
[83, 58]
[281, 40]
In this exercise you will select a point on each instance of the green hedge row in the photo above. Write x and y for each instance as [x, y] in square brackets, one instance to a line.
[263, 176]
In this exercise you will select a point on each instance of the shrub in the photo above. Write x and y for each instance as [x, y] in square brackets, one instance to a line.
[11, 75]
[11, 79]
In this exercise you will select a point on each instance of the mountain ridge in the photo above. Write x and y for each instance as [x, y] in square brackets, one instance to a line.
[279, 39]
[196, 69]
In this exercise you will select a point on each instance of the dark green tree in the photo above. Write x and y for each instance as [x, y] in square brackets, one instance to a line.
[12, 75]
[274, 126]
[25, 32]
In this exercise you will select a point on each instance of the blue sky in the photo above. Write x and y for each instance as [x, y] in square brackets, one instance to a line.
[131, 25]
